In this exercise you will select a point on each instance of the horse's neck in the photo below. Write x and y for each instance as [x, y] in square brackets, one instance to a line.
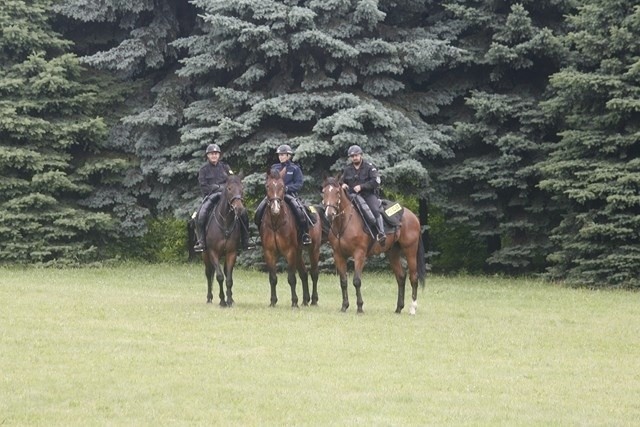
[345, 215]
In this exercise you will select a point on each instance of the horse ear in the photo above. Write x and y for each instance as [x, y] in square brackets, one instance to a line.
[241, 175]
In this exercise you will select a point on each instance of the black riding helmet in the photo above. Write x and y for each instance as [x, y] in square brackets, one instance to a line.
[213, 148]
[354, 149]
[284, 149]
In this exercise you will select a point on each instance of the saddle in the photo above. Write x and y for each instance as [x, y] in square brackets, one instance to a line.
[391, 212]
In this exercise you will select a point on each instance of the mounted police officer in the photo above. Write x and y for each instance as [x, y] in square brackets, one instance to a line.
[293, 181]
[362, 178]
[211, 177]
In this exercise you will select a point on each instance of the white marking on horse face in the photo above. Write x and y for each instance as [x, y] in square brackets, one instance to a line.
[275, 207]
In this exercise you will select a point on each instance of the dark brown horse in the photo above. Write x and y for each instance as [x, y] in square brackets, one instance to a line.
[279, 235]
[223, 238]
[349, 238]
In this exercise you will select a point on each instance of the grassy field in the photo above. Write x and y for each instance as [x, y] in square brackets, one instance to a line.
[137, 345]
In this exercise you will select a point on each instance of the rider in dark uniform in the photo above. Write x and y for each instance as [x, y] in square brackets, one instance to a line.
[363, 178]
[293, 180]
[211, 177]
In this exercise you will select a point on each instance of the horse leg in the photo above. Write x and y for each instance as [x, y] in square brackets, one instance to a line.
[229, 263]
[401, 276]
[291, 277]
[270, 260]
[304, 278]
[341, 267]
[412, 266]
[209, 271]
[314, 258]
[358, 266]
[220, 279]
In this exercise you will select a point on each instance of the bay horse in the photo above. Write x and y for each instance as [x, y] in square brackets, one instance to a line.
[223, 239]
[279, 235]
[348, 238]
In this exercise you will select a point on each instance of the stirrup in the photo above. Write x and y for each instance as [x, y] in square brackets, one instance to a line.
[306, 239]
[381, 238]
[199, 247]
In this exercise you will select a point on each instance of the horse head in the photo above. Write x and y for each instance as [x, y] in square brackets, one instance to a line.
[275, 191]
[234, 193]
[331, 197]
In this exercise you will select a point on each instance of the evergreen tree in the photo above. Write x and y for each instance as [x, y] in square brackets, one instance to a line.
[594, 169]
[319, 75]
[131, 41]
[48, 131]
[491, 183]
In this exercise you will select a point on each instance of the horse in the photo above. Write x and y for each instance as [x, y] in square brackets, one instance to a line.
[223, 239]
[348, 238]
[279, 235]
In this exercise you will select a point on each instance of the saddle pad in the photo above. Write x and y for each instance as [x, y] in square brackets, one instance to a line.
[392, 212]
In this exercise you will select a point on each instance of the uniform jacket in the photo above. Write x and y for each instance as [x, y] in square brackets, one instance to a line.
[211, 177]
[293, 178]
[367, 177]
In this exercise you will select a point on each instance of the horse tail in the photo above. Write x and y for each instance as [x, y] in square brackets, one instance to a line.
[422, 263]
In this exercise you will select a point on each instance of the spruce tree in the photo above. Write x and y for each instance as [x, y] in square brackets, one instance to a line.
[490, 184]
[593, 171]
[130, 44]
[318, 75]
[48, 131]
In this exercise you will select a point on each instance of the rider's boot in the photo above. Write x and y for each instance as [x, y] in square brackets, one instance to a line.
[199, 246]
[306, 239]
[381, 237]
[244, 232]
[304, 225]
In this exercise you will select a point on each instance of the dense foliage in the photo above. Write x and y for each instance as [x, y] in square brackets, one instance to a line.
[593, 171]
[511, 126]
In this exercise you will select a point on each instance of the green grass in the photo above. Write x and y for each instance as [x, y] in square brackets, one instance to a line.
[137, 345]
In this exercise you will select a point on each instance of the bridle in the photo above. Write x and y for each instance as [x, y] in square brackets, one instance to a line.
[329, 188]
[275, 203]
[223, 218]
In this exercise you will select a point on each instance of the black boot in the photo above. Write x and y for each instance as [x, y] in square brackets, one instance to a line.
[304, 226]
[306, 239]
[199, 229]
[381, 237]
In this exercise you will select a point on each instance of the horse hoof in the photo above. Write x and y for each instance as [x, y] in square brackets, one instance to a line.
[223, 304]
[414, 307]
[209, 301]
[273, 304]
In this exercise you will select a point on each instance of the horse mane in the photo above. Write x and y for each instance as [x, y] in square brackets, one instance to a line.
[274, 174]
[330, 180]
